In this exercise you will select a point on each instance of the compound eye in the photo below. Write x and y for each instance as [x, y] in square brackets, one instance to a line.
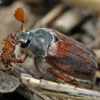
[28, 42]
[22, 44]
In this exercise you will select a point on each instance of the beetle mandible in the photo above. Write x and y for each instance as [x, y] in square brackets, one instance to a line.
[67, 57]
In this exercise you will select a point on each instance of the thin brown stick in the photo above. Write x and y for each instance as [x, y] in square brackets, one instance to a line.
[51, 16]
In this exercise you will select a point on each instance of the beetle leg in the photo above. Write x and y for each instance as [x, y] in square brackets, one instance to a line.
[37, 68]
[6, 54]
[13, 38]
[59, 75]
[66, 79]
[7, 50]
[17, 60]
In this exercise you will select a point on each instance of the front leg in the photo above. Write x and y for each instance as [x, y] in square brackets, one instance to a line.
[13, 38]
[17, 60]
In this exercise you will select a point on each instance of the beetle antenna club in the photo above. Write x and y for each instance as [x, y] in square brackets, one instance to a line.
[19, 15]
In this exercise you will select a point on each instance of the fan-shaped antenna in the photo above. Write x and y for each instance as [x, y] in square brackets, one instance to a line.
[19, 15]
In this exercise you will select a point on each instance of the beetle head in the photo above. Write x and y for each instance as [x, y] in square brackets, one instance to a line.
[24, 38]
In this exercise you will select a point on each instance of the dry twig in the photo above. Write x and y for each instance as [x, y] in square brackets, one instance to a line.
[65, 90]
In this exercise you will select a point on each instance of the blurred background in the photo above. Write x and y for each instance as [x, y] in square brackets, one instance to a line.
[78, 19]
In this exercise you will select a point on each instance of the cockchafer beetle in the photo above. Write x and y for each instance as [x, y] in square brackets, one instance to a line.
[66, 57]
